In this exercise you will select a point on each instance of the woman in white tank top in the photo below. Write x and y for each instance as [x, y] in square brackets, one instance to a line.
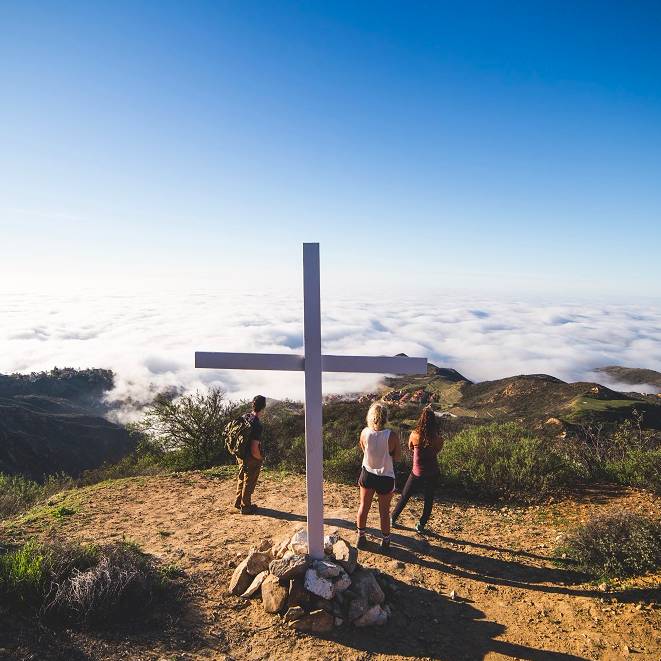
[380, 447]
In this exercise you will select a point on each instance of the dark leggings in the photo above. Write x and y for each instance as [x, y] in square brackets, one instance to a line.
[414, 483]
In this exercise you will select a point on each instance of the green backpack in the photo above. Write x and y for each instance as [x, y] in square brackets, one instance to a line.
[237, 436]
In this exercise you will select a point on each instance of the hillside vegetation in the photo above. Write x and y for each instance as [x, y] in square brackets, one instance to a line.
[53, 422]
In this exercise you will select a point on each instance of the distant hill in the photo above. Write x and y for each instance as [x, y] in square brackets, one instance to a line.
[531, 399]
[53, 421]
[634, 376]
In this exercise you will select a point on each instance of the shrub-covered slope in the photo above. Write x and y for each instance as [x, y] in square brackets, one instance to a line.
[52, 422]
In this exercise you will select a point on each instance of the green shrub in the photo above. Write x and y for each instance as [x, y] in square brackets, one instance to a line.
[503, 459]
[615, 545]
[638, 468]
[187, 431]
[81, 581]
[343, 466]
[16, 493]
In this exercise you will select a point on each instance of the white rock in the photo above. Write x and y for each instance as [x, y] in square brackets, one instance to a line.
[322, 587]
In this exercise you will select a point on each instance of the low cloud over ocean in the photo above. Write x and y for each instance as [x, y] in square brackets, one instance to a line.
[149, 341]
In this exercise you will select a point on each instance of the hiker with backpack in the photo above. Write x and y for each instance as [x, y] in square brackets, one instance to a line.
[243, 438]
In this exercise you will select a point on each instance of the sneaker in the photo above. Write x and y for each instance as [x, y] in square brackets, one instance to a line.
[251, 509]
[361, 542]
[420, 528]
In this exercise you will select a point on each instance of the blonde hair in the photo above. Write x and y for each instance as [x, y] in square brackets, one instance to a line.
[377, 416]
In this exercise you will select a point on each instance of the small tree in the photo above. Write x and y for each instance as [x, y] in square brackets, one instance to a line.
[191, 424]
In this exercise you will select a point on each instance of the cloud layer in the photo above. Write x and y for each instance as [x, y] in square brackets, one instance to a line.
[150, 340]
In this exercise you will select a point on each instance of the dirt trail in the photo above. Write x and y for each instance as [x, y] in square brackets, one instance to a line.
[511, 600]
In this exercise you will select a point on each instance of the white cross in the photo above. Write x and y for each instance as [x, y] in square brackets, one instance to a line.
[312, 363]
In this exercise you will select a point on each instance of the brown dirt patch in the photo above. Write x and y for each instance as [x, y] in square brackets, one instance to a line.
[511, 599]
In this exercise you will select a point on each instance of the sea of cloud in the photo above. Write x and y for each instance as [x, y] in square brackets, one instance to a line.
[149, 340]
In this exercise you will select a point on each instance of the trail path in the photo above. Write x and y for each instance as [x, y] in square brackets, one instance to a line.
[511, 600]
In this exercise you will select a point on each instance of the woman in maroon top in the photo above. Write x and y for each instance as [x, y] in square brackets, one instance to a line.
[425, 441]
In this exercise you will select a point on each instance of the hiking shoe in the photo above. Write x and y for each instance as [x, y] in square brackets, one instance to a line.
[361, 542]
[251, 509]
[420, 528]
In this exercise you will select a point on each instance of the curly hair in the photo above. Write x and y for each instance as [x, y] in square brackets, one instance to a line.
[427, 427]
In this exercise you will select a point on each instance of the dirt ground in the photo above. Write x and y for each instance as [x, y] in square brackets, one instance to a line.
[511, 600]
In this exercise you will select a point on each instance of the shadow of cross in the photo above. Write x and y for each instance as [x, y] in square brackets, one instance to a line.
[312, 363]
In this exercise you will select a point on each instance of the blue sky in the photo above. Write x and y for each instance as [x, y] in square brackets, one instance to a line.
[491, 146]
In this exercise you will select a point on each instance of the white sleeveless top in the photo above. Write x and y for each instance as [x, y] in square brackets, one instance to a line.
[376, 458]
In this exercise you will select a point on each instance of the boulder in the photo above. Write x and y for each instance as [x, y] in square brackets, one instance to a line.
[265, 545]
[318, 621]
[274, 594]
[365, 584]
[298, 595]
[280, 548]
[327, 569]
[345, 555]
[374, 616]
[330, 541]
[357, 608]
[289, 566]
[322, 587]
[258, 562]
[256, 584]
[299, 542]
[294, 613]
[342, 583]
[241, 579]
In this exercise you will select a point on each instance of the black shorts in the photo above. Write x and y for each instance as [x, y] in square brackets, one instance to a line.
[382, 484]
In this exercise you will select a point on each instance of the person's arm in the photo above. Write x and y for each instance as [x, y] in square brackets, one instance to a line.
[256, 439]
[394, 446]
[256, 449]
[361, 441]
[413, 440]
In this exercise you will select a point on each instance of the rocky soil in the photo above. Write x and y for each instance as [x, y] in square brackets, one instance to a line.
[482, 585]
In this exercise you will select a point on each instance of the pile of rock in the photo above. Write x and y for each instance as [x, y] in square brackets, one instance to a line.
[313, 595]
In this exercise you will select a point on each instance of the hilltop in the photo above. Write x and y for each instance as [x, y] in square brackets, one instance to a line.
[54, 422]
[633, 376]
[482, 584]
[531, 399]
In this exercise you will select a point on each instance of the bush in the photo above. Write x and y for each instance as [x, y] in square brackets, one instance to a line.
[81, 581]
[615, 545]
[501, 460]
[623, 452]
[188, 430]
[638, 468]
[344, 465]
[17, 493]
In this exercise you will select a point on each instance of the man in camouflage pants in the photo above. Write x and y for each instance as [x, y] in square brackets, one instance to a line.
[251, 464]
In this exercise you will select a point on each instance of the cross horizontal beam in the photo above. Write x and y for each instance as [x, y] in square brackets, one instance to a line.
[295, 363]
[249, 361]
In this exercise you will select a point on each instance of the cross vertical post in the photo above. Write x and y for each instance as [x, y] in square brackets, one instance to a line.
[314, 470]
